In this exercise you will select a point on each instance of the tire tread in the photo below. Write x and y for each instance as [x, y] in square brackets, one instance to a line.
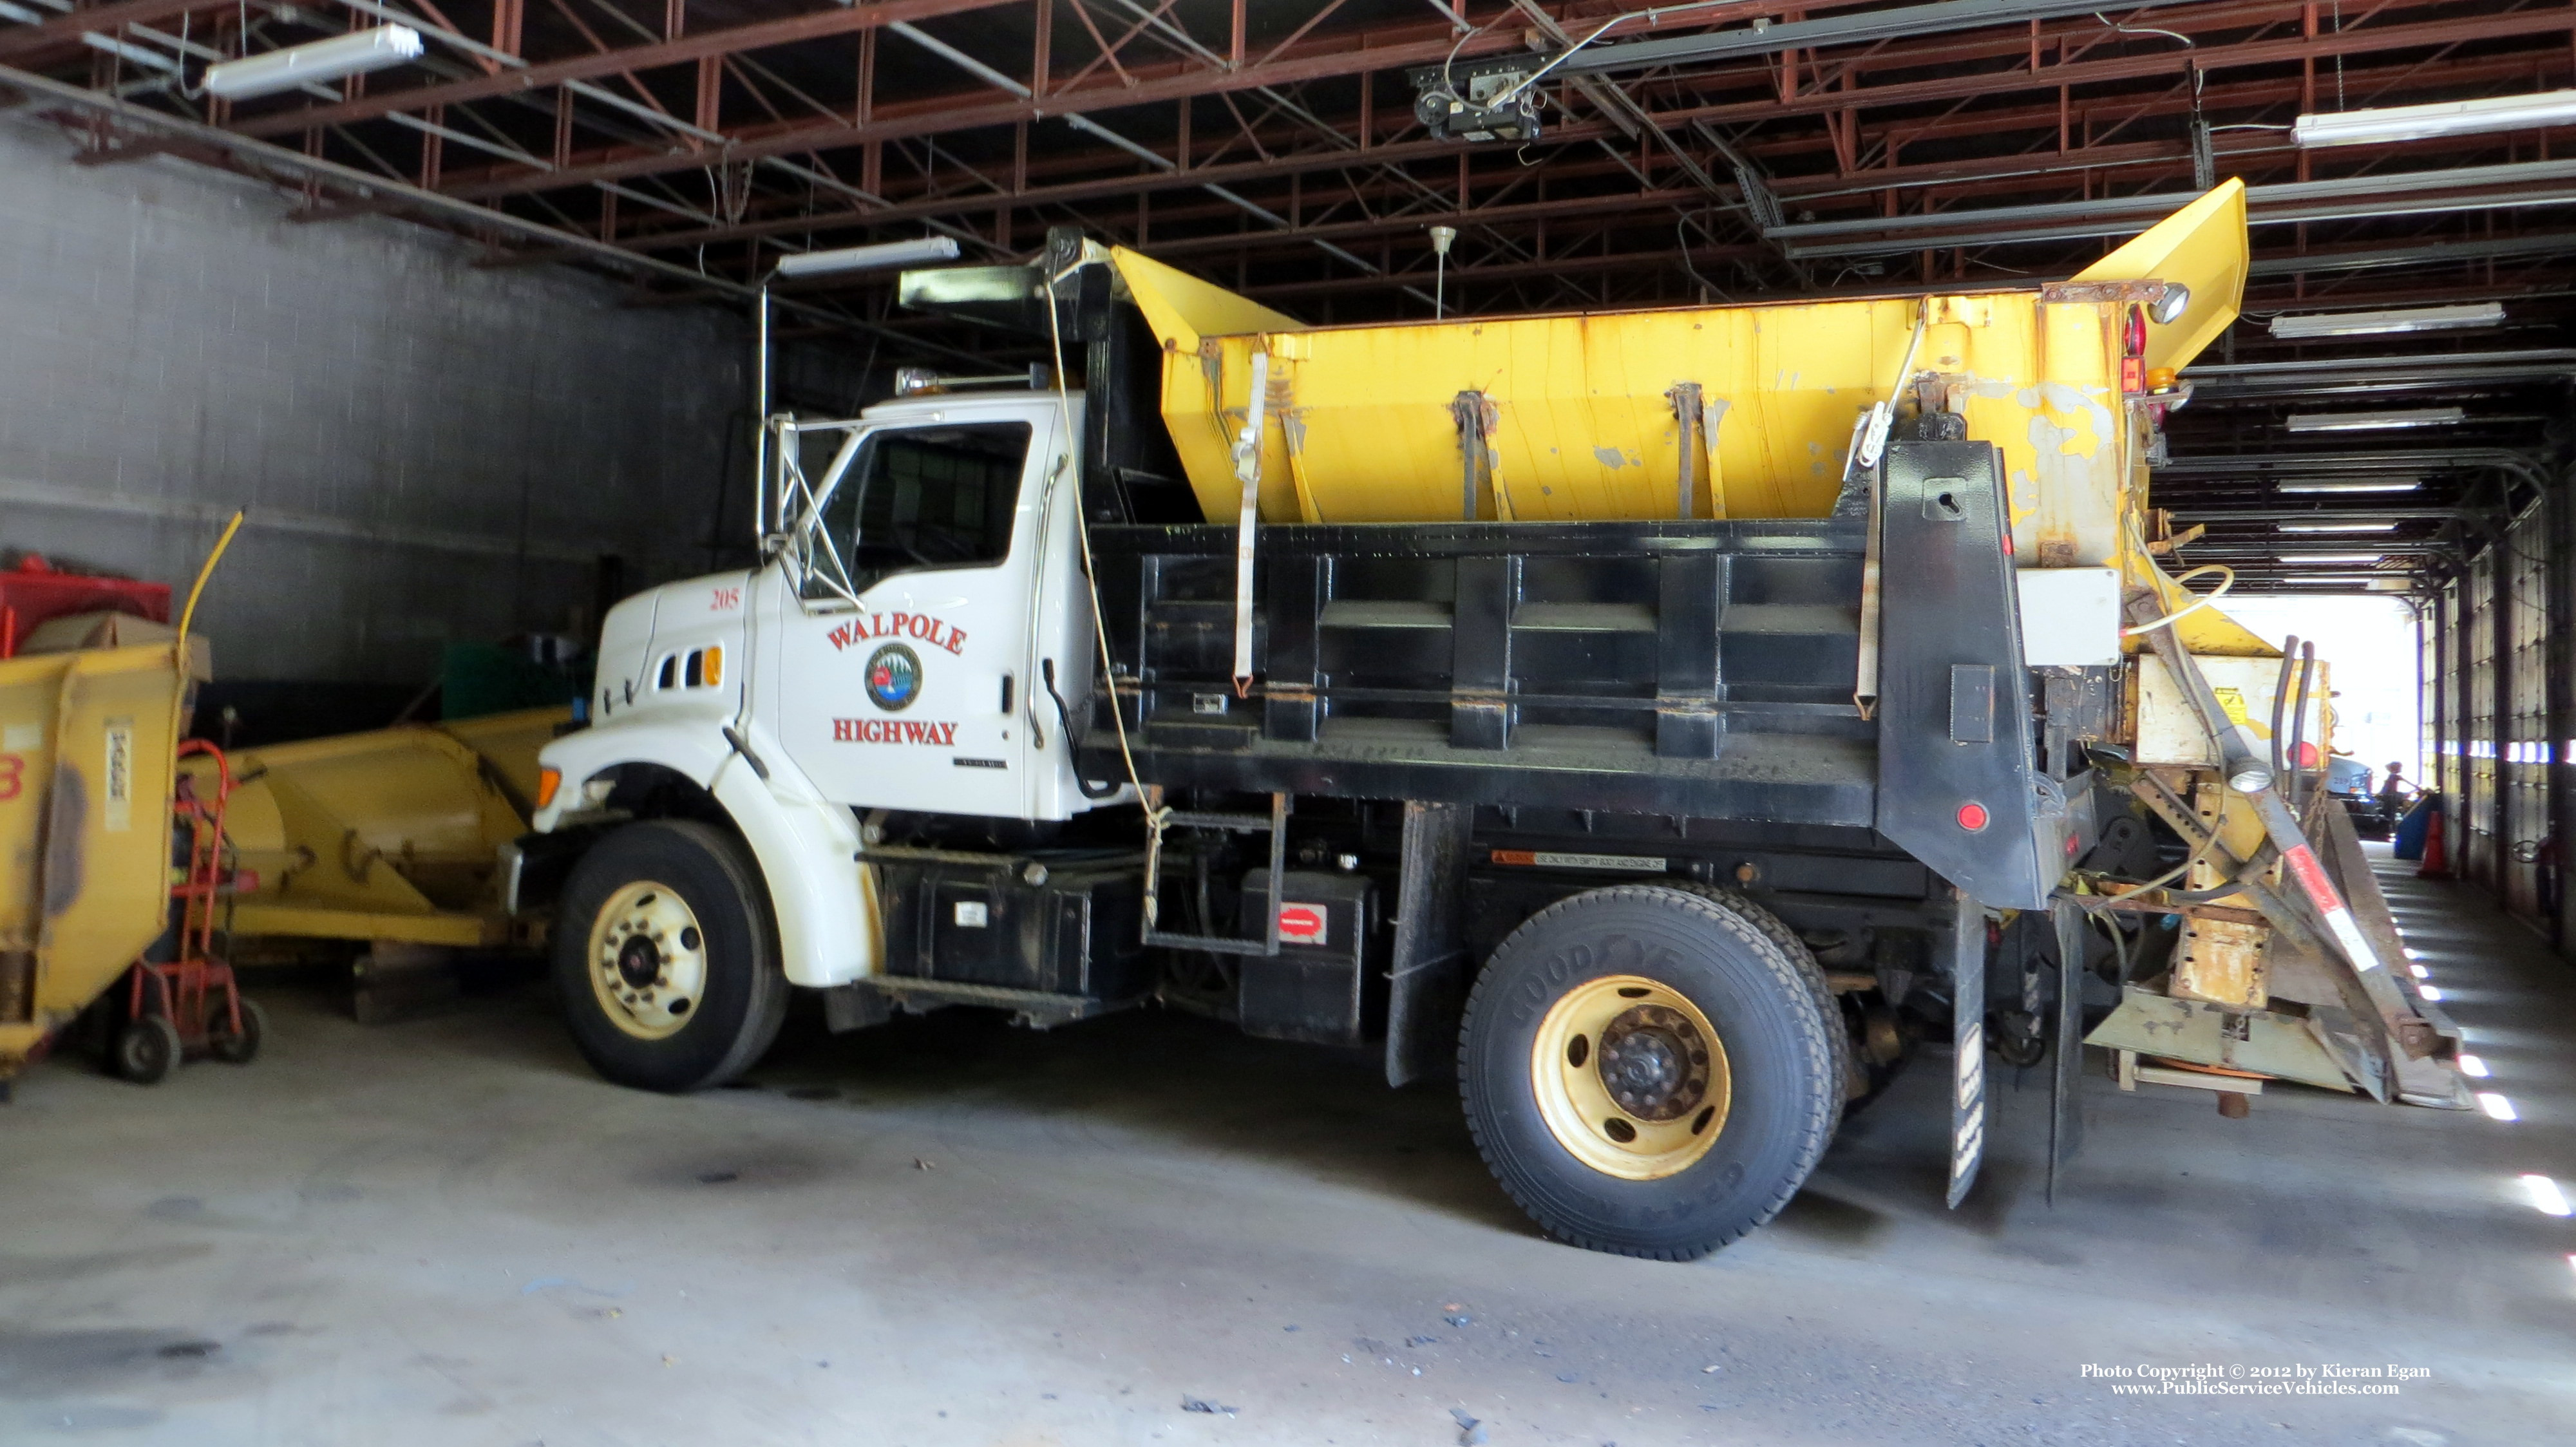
[1798, 977]
[766, 1008]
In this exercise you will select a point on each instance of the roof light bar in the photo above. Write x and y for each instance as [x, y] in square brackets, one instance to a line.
[337, 58]
[2374, 323]
[2372, 421]
[2358, 484]
[2440, 118]
[2388, 527]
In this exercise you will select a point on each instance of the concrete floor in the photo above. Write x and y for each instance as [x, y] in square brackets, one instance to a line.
[949, 1232]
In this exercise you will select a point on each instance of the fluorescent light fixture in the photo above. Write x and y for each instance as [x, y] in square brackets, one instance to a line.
[2472, 1067]
[2412, 319]
[2421, 973]
[2497, 1106]
[341, 56]
[2439, 118]
[879, 257]
[2430, 992]
[2358, 484]
[2338, 527]
[2328, 557]
[2374, 421]
[2546, 1197]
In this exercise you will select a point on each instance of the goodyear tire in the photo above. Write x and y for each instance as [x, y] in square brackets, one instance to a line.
[666, 958]
[1646, 1071]
[1777, 930]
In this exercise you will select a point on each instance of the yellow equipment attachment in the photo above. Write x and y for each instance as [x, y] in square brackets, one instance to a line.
[86, 747]
[1736, 411]
[390, 835]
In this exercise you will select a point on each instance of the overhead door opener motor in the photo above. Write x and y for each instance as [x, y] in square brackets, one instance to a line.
[1481, 100]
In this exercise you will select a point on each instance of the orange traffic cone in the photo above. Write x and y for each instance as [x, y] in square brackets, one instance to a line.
[2436, 865]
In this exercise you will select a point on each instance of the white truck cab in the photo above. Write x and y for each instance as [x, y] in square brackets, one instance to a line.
[893, 654]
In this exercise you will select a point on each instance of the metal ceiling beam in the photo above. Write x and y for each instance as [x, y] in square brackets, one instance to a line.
[1463, 276]
[1122, 187]
[1974, 176]
[1338, 57]
[1986, 220]
[1866, 27]
[2556, 356]
[593, 64]
[18, 40]
[2553, 243]
[905, 121]
[2396, 463]
[1980, 84]
[2326, 514]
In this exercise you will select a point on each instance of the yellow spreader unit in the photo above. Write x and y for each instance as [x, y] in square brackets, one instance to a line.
[1735, 411]
[86, 743]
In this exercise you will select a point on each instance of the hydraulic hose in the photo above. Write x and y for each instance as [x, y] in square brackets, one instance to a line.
[2281, 696]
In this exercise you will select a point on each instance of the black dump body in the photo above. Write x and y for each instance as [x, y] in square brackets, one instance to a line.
[1675, 668]
[1689, 671]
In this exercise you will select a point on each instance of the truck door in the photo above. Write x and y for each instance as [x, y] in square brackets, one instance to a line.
[900, 676]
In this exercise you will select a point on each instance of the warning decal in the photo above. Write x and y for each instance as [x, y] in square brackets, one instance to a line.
[1304, 924]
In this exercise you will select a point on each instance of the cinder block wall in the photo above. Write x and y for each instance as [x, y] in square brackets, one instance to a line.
[428, 452]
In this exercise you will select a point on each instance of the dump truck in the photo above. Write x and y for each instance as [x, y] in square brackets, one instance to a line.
[1669, 721]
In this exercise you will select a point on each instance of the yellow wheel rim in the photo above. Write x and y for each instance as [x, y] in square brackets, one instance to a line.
[648, 960]
[1631, 1078]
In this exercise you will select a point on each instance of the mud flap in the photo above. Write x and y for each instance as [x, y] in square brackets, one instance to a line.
[2066, 1066]
[1967, 948]
[1426, 978]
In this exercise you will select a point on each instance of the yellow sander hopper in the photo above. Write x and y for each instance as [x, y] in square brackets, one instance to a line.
[1734, 411]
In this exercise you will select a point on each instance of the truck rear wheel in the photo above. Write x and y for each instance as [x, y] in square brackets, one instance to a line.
[666, 959]
[1648, 1072]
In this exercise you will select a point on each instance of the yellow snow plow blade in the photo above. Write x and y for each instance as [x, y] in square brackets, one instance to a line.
[394, 834]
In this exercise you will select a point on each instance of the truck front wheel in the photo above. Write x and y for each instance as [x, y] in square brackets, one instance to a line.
[666, 958]
[1648, 1072]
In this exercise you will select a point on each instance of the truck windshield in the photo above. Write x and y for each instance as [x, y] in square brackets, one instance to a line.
[926, 497]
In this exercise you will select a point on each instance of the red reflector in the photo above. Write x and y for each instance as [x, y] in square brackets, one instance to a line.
[1972, 817]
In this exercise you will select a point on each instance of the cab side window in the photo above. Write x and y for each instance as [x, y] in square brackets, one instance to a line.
[927, 497]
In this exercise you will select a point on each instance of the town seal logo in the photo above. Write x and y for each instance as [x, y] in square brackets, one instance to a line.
[894, 677]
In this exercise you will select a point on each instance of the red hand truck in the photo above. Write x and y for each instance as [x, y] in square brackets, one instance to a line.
[190, 1004]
